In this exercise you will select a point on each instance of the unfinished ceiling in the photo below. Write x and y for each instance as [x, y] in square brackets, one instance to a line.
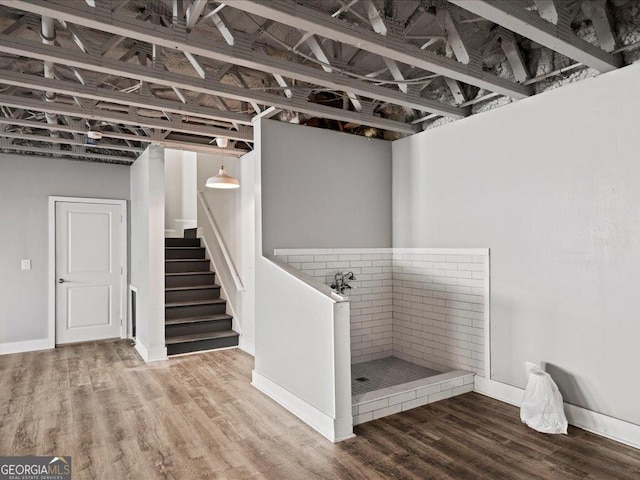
[181, 73]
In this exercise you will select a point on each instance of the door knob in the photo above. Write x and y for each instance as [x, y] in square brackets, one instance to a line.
[61, 280]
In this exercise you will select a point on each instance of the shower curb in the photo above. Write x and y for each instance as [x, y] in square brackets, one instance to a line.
[400, 398]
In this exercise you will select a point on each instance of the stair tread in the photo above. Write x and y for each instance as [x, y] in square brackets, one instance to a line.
[198, 319]
[194, 287]
[173, 274]
[213, 301]
[184, 248]
[201, 336]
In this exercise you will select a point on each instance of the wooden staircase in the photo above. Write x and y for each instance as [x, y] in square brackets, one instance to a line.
[195, 315]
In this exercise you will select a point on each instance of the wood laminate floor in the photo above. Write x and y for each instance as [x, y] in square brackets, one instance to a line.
[198, 417]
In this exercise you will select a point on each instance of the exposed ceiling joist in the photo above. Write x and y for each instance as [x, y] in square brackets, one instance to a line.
[558, 37]
[389, 46]
[64, 87]
[67, 153]
[165, 142]
[127, 119]
[209, 86]
[242, 54]
[71, 128]
[148, 71]
[69, 141]
[199, 147]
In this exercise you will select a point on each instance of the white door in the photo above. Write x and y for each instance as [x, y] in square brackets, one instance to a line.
[88, 271]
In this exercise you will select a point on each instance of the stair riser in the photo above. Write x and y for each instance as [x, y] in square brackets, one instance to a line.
[202, 345]
[190, 232]
[194, 310]
[187, 253]
[199, 327]
[188, 295]
[188, 266]
[190, 280]
[181, 242]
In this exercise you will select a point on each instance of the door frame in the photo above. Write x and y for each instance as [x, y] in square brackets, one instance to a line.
[124, 231]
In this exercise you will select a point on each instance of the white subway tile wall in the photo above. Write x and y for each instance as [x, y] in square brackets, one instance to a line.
[371, 294]
[425, 308]
[438, 310]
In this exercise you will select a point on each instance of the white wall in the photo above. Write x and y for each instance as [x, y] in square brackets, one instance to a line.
[550, 184]
[180, 211]
[147, 251]
[234, 213]
[324, 189]
[25, 184]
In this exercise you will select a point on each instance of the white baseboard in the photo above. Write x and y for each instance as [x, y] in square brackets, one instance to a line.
[594, 422]
[343, 428]
[247, 346]
[151, 356]
[499, 391]
[27, 346]
[312, 416]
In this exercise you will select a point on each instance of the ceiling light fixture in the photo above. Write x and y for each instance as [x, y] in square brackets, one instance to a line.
[222, 180]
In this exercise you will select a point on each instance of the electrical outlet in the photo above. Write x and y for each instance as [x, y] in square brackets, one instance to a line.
[26, 264]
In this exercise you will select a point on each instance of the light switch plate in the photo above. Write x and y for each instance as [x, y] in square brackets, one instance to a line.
[26, 264]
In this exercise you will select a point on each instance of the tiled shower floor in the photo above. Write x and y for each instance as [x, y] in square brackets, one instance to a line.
[384, 373]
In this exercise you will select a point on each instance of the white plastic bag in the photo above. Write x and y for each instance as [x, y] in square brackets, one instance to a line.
[542, 407]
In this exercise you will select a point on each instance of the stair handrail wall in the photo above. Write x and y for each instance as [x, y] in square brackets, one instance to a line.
[303, 355]
[304, 278]
[223, 248]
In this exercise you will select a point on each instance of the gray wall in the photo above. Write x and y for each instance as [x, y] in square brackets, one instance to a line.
[323, 189]
[25, 185]
[552, 185]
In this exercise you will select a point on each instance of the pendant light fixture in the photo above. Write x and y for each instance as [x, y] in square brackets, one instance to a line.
[222, 180]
